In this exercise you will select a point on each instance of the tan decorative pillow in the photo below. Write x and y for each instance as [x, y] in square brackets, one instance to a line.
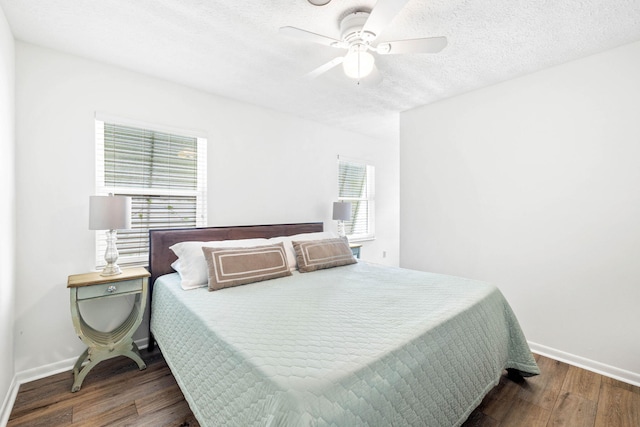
[238, 266]
[327, 253]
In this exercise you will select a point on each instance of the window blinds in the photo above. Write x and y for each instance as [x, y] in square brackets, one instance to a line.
[142, 158]
[163, 173]
[355, 182]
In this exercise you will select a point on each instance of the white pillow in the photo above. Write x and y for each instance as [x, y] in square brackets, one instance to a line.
[192, 265]
[288, 246]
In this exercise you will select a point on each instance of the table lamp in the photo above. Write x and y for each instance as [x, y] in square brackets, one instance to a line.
[341, 213]
[110, 213]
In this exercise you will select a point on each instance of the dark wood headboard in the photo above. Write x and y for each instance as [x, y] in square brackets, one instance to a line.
[161, 257]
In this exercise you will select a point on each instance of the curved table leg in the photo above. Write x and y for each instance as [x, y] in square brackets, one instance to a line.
[80, 372]
[134, 354]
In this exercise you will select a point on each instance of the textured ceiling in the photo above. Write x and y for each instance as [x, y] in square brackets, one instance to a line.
[232, 47]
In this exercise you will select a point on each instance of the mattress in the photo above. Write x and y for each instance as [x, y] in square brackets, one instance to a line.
[348, 346]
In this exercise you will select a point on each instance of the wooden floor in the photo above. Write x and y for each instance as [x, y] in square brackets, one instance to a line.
[562, 395]
[115, 393]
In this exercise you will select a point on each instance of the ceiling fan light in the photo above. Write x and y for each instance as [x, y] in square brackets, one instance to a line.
[358, 64]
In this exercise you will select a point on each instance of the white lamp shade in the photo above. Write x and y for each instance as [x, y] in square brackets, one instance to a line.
[358, 64]
[342, 211]
[109, 213]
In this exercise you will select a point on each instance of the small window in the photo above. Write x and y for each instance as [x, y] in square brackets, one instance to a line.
[164, 173]
[355, 185]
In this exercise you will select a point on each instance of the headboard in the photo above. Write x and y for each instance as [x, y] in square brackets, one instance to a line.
[161, 257]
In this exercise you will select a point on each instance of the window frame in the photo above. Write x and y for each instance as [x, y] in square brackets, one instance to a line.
[200, 193]
[368, 198]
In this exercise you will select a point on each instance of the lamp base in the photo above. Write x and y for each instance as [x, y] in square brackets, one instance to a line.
[111, 255]
[111, 270]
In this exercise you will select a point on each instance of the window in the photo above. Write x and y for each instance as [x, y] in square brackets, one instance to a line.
[164, 173]
[355, 185]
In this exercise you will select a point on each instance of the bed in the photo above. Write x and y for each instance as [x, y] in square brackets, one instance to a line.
[355, 345]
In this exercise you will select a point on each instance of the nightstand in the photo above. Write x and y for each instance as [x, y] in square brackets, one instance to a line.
[355, 249]
[118, 342]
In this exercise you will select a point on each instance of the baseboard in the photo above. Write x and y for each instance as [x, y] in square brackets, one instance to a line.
[9, 400]
[39, 373]
[588, 364]
[45, 370]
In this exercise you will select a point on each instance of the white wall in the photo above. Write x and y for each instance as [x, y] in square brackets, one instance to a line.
[264, 167]
[7, 201]
[534, 185]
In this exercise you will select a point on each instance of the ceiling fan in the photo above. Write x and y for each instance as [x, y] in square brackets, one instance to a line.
[358, 33]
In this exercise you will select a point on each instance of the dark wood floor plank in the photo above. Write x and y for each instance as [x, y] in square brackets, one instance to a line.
[114, 371]
[495, 408]
[526, 414]
[120, 416]
[573, 410]
[618, 407]
[40, 394]
[44, 417]
[543, 390]
[616, 383]
[55, 391]
[133, 386]
[163, 398]
[178, 414]
[582, 383]
[576, 403]
[479, 419]
[498, 401]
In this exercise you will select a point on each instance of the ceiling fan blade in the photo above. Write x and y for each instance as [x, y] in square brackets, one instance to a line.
[324, 68]
[312, 37]
[426, 45]
[382, 14]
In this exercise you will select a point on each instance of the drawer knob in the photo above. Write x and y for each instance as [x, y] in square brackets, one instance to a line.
[111, 289]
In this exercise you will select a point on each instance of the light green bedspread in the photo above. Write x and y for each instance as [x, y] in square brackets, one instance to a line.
[349, 346]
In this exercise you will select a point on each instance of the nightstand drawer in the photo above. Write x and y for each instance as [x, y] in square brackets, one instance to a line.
[106, 289]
